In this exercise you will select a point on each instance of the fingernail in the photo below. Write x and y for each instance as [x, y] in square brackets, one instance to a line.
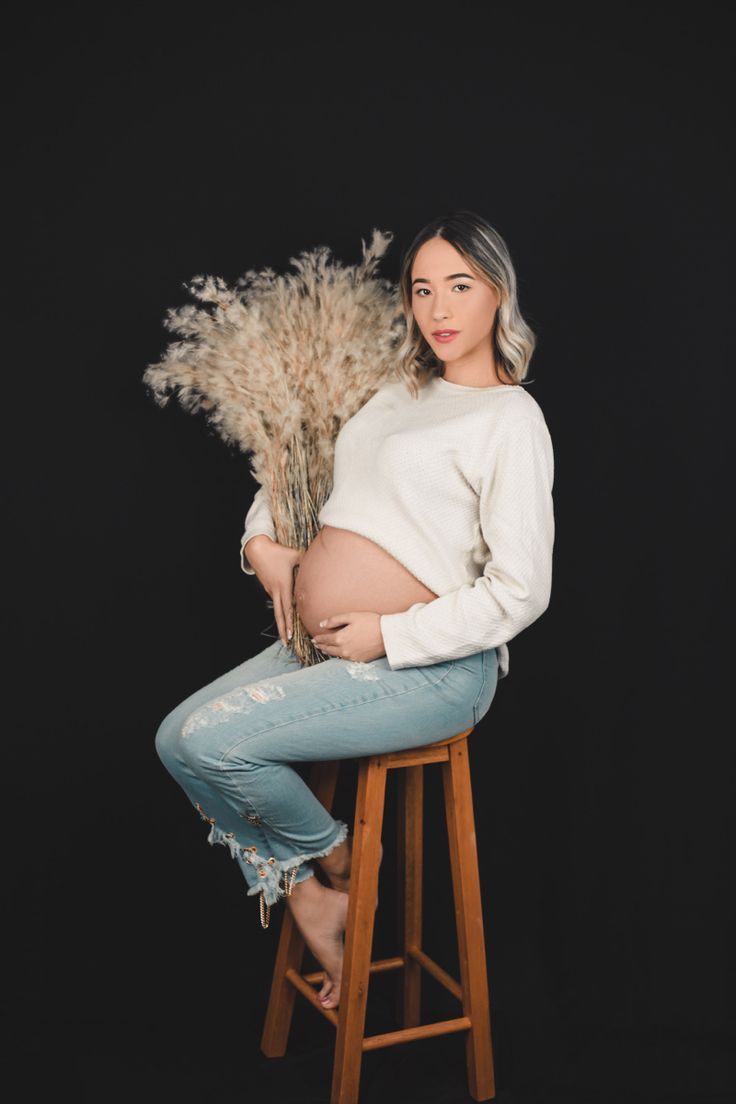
[289, 634]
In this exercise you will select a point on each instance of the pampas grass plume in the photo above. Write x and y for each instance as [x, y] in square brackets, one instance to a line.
[278, 363]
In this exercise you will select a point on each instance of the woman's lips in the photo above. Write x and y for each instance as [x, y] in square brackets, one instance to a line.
[443, 339]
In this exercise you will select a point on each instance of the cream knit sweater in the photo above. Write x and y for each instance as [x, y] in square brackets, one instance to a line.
[457, 486]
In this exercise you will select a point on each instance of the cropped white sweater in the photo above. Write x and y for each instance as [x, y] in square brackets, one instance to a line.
[457, 486]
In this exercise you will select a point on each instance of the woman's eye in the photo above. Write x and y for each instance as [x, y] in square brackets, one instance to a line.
[420, 290]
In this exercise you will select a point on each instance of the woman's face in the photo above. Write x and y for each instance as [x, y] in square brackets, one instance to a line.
[446, 295]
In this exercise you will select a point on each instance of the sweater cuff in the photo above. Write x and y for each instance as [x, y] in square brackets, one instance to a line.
[244, 562]
[397, 642]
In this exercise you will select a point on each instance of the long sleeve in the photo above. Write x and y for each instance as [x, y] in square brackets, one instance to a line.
[517, 523]
[258, 521]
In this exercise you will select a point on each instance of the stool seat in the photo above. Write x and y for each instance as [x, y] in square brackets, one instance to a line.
[472, 988]
[451, 739]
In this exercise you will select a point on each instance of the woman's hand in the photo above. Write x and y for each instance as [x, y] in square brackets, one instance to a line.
[274, 566]
[356, 636]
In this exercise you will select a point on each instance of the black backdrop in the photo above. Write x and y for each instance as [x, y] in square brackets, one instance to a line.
[143, 153]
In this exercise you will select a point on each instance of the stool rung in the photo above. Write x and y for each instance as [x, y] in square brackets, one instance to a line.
[307, 991]
[301, 983]
[375, 968]
[411, 1034]
[397, 963]
[436, 971]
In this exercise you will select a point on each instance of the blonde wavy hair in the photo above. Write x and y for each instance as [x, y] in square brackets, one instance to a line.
[488, 255]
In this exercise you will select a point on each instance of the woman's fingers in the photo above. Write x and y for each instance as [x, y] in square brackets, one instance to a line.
[288, 616]
[278, 610]
[284, 617]
[279, 585]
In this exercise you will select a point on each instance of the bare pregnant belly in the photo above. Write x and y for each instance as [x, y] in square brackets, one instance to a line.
[343, 572]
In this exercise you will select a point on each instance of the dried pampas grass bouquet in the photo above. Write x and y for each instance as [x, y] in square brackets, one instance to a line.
[278, 363]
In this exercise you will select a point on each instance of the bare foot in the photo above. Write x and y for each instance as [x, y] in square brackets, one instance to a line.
[320, 914]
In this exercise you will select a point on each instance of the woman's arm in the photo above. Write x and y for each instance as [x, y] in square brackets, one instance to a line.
[258, 521]
[517, 523]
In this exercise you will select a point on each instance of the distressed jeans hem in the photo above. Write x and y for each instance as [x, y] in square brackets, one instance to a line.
[272, 873]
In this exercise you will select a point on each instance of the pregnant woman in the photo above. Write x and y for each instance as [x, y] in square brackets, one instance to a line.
[434, 550]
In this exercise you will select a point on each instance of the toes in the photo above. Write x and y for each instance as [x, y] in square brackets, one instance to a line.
[327, 987]
[329, 994]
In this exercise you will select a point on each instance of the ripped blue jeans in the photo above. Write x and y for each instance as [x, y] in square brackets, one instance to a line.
[229, 746]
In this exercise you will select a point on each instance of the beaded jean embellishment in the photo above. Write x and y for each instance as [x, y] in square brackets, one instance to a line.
[251, 856]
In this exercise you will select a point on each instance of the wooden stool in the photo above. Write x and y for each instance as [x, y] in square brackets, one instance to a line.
[472, 991]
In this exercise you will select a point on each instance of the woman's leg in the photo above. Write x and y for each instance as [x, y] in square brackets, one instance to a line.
[243, 831]
[241, 741]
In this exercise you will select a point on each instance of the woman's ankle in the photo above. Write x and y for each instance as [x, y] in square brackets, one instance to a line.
[337, 864]
[341, 882]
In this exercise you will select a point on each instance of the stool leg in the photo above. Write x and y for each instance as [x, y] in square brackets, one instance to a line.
[367, 826]
[275, 1037]
[469, 919]
[410, 854]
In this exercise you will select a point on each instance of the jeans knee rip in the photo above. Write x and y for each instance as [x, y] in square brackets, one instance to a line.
[240, 700]
[270, 870]
[364, 672]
